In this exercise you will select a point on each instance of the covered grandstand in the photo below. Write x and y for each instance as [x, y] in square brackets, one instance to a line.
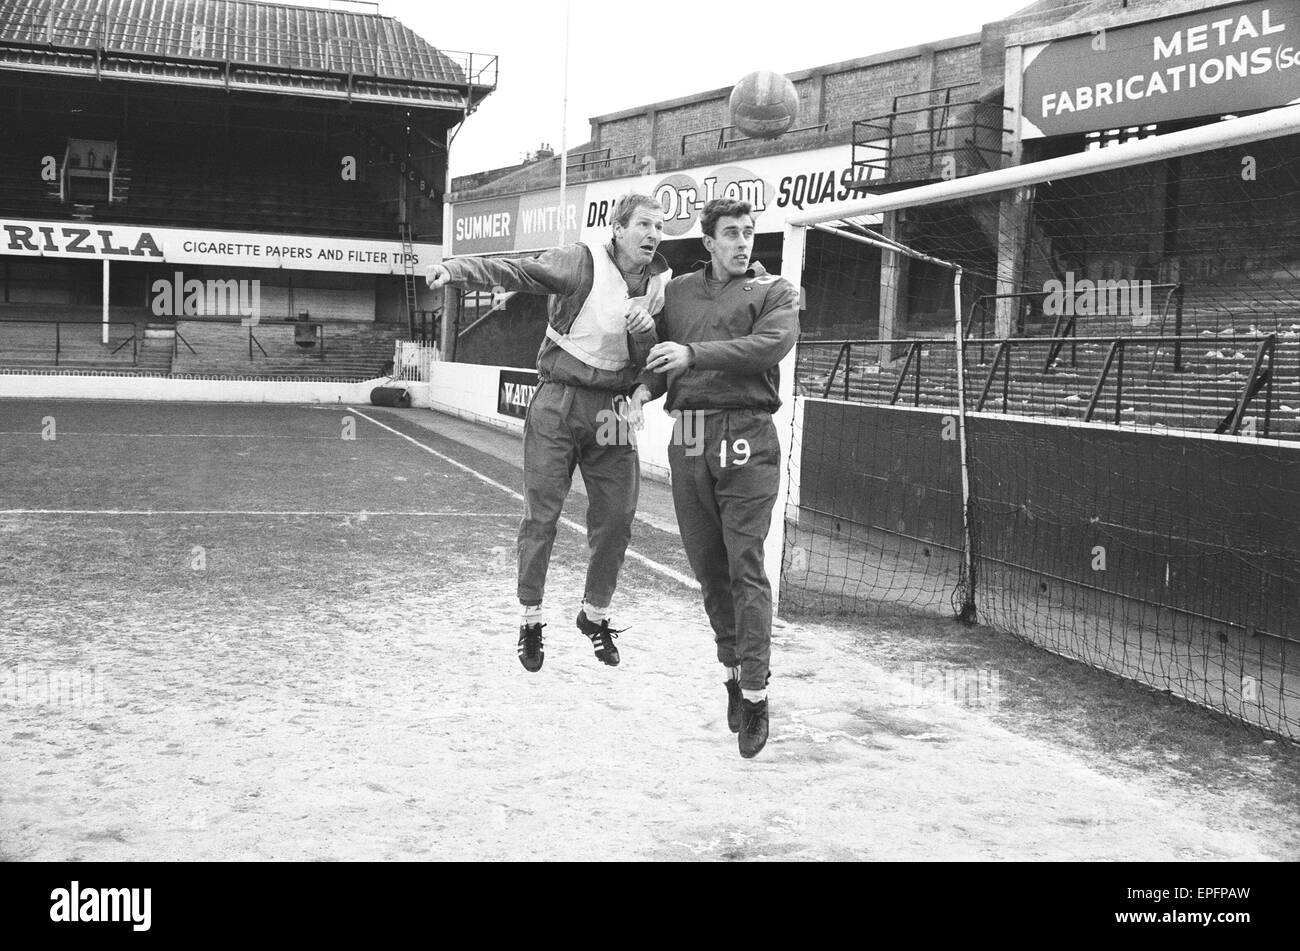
[229, 143]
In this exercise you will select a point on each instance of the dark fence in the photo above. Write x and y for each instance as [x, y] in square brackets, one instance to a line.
[1170, 559]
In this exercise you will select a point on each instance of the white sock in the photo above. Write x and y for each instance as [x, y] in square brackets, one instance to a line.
[594, 613]
[530, 614]
[754, 696]
[733, 673]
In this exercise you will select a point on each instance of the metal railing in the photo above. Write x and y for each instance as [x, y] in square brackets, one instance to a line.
[943, 92]
[97, 327]
[178, 339]
[1060, 334]
[596, 158]
[938, 134]
[306, 333]
[1260, 378]
[721, 141]
[425, 326]
[1175, 295]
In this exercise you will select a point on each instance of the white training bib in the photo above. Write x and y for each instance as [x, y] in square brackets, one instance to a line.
[598, 336]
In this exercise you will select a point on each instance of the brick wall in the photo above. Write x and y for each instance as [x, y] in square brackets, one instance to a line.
[869, 91]
[672, 124]
[955, 66]
[628, 136]
[835, 96]
[809, 91]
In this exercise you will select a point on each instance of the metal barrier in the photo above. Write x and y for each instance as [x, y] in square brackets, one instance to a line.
[1259, 380]
[595, 158]
[721, 141]
[98, 327]
[425, 326]
[1175, 295]
[937, 137]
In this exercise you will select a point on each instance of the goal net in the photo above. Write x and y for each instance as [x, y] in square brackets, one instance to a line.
[1063, 399]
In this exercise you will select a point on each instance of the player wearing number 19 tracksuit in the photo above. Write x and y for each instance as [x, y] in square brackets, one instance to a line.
[723, 331]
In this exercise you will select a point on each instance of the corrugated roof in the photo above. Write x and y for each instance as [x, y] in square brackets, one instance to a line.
[196, 40]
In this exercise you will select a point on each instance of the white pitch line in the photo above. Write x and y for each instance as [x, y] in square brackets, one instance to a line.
[262, 512]
[63, 434]
[567, 523]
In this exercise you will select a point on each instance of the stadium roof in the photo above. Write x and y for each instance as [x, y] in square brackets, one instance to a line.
[239, 44]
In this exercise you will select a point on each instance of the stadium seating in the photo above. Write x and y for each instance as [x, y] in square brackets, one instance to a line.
[243, 195]
[229, 188]
[353, 351]
[29, 339]
[76, 346]
[23, 190]
[1198, 398]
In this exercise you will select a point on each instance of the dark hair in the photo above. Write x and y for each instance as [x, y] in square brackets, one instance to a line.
[629, 203]
[723, 208]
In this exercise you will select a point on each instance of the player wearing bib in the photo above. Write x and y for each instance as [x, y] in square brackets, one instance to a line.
[600, 328]
[724, 330]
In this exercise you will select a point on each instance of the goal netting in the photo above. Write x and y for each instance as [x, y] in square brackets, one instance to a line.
[1063, 400]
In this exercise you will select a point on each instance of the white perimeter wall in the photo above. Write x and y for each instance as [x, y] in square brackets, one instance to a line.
[66, 386]
[470, 391]
[466, 390]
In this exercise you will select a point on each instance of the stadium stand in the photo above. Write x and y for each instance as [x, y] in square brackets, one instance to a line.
[214, 348]
[292, 127]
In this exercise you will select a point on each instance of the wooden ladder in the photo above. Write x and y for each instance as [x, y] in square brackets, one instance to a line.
[408, 274]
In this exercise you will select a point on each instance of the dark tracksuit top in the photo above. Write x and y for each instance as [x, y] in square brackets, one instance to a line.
[564, 422]
[738, 331]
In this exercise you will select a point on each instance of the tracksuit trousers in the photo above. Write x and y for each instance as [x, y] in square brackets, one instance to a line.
[566, 427]
[726, 471]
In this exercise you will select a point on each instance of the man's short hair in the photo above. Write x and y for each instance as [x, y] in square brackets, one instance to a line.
[723, 208]
[627, 207]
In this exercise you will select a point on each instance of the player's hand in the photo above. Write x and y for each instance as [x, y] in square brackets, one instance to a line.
[639, 320]
[635, 414]
[437, 276]
[668, 357]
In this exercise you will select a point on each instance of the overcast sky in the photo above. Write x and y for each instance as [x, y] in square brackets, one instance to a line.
[626, 55]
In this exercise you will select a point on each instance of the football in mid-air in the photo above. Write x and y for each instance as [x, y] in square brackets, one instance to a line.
[764, 104]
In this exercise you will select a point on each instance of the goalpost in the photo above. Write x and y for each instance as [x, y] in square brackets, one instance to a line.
[1115, 308]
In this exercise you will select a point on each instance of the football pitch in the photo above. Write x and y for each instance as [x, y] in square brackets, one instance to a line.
[270, 633]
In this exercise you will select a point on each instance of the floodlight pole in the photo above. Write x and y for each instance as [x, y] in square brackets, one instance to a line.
[564, 133]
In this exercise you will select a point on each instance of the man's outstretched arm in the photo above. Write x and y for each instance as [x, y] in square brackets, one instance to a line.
[557, 271]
